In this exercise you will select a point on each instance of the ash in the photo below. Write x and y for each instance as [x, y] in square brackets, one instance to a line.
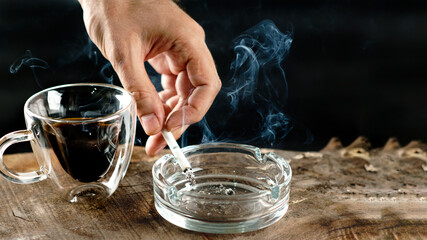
[224, 190]
[218, 190]
[189, 175]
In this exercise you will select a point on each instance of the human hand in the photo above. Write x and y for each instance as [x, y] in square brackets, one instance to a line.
[130, 32]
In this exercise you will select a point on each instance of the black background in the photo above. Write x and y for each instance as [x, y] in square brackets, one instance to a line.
[355, 68]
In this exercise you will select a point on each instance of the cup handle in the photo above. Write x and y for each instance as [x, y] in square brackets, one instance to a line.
[18, 177]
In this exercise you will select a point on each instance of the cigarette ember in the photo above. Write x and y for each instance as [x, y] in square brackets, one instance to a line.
[189, 175]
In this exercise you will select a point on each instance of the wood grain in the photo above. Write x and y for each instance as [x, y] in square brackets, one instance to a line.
[333, 196]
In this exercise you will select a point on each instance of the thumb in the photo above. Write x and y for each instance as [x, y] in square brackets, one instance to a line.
[150, 109]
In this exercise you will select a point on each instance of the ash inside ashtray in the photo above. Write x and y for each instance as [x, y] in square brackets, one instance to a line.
[214, 190]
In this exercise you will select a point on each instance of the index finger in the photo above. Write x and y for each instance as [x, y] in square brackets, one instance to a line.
[134, 78]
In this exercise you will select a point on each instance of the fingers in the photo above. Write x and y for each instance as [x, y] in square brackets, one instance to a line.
[202, 74]
[129, 34]
[160, 64]
[168, 84]
[195, 78]
[134, 78]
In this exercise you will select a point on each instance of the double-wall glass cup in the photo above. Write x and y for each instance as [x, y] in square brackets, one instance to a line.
[82, 136]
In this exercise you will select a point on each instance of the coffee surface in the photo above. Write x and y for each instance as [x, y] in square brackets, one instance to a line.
[85, 151]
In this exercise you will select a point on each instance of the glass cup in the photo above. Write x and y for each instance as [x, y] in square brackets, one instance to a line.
[82, 136]
[238, 189]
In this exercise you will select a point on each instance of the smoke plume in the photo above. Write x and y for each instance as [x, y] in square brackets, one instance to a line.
[31, 62]
[252, 104]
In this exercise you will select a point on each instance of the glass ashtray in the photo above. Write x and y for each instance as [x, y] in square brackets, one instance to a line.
[237, 188]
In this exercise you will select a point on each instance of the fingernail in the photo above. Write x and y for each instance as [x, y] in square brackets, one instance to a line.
[150, 123]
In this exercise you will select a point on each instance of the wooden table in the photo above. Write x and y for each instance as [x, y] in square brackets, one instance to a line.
[338, 193]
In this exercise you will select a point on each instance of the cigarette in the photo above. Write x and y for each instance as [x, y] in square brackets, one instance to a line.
[176, 150]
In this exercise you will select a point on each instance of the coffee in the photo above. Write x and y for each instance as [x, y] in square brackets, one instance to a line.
[85, 150]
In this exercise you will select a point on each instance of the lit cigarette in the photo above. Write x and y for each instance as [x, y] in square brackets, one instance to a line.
[176, 150]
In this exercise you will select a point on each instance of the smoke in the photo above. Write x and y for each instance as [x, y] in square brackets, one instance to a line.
[252, 104]
[106, 73]
[259, 51]
[102, 68]
[29, 61]
[78, 62]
